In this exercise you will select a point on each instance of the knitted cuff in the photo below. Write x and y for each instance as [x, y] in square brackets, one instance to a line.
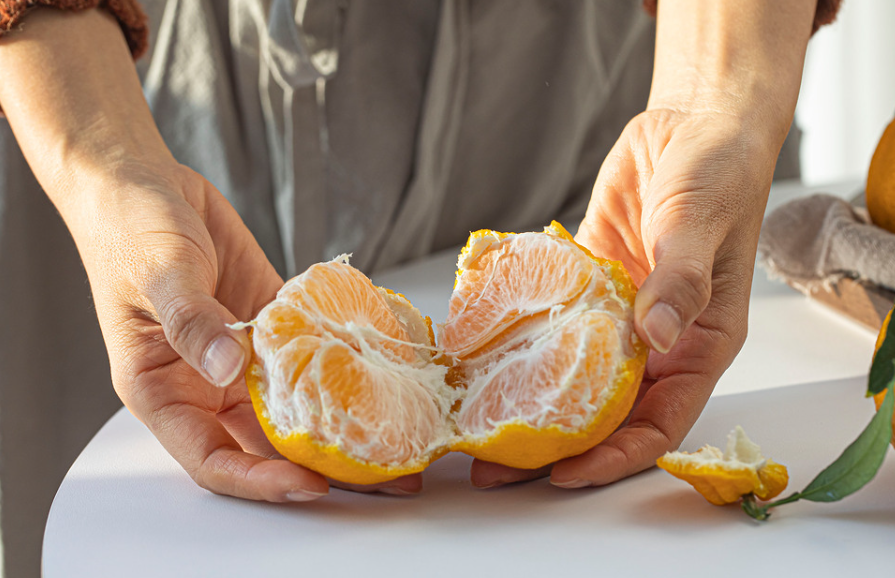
[129, 14]
[824, 14]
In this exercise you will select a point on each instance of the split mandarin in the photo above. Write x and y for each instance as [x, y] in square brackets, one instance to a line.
[538, 361]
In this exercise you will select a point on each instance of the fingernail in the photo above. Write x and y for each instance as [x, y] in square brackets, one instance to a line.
[397, 492]
[223, 360]
[490, 485]
[303, 495]
[571, 484]
[662, 325]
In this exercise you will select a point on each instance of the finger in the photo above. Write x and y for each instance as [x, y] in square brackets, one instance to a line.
[629, 450]
[242, 423]
[403, 486]
[195, 325]
[198, 441]
[486, 475]
[677, 291]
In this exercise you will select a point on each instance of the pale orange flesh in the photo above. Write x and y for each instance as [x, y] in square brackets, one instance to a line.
[543, 335]
[335, 361]
[539, 341]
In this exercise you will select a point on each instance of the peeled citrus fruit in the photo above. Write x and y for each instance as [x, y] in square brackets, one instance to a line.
[343, 378]
[725, 477]
[878, 398]
[881, 182]
[538, 360]
[543, 337]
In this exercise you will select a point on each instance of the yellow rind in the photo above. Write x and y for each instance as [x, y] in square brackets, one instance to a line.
[326, 459]
[722, 485]
[520, 445]
[774, 479]
[719, 486]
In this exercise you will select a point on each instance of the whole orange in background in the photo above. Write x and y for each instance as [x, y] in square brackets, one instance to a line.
[537, 361]
[880, 193]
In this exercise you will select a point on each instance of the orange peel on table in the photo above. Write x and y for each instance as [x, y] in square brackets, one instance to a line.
[725, 477]
[537, 361]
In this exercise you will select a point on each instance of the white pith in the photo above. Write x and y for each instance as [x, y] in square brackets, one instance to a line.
[534, 339]
[417, 389]
[419, 399]
[739, 453]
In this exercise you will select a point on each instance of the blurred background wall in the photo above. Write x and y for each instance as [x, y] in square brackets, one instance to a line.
[848, 91]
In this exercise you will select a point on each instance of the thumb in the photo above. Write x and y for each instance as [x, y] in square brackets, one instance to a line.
[676, 292]
[195, 325]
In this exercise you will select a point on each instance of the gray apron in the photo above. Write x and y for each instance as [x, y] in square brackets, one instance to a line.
[386, 129]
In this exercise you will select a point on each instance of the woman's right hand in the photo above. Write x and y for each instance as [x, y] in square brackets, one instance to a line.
[170, 262]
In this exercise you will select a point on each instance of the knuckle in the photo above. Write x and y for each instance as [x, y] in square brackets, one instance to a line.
[696, 276]
[688, 286]
[180, 320]
[222, 464]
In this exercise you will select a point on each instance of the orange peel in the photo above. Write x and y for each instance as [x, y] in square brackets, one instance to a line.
[725, 477]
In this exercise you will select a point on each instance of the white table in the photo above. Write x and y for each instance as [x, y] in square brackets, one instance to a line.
[127, 509]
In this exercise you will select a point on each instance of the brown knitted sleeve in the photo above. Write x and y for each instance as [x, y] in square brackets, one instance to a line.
[824, 14]
[130, 16]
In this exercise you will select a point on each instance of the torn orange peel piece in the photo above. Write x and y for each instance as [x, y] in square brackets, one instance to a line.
[725, 477]
[538, 360]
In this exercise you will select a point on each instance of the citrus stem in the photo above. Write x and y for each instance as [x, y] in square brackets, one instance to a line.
[760, 512]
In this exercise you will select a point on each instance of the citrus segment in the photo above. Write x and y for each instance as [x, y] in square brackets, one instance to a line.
[346, 302]
[506, 281]
[557, 379]
[725, 477]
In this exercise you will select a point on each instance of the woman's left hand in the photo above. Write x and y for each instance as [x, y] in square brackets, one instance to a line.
[679, 201]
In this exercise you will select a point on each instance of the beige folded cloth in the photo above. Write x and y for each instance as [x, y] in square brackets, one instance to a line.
[821, 239]
[827, 248]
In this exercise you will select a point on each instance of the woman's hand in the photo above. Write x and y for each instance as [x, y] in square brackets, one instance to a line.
[170, 262]
[679, 200]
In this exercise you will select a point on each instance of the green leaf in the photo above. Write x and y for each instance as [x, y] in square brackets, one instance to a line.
[882, 371]
[860, 461]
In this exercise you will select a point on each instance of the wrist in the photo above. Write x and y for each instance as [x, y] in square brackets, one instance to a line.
[73, 99]
[742, 59]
